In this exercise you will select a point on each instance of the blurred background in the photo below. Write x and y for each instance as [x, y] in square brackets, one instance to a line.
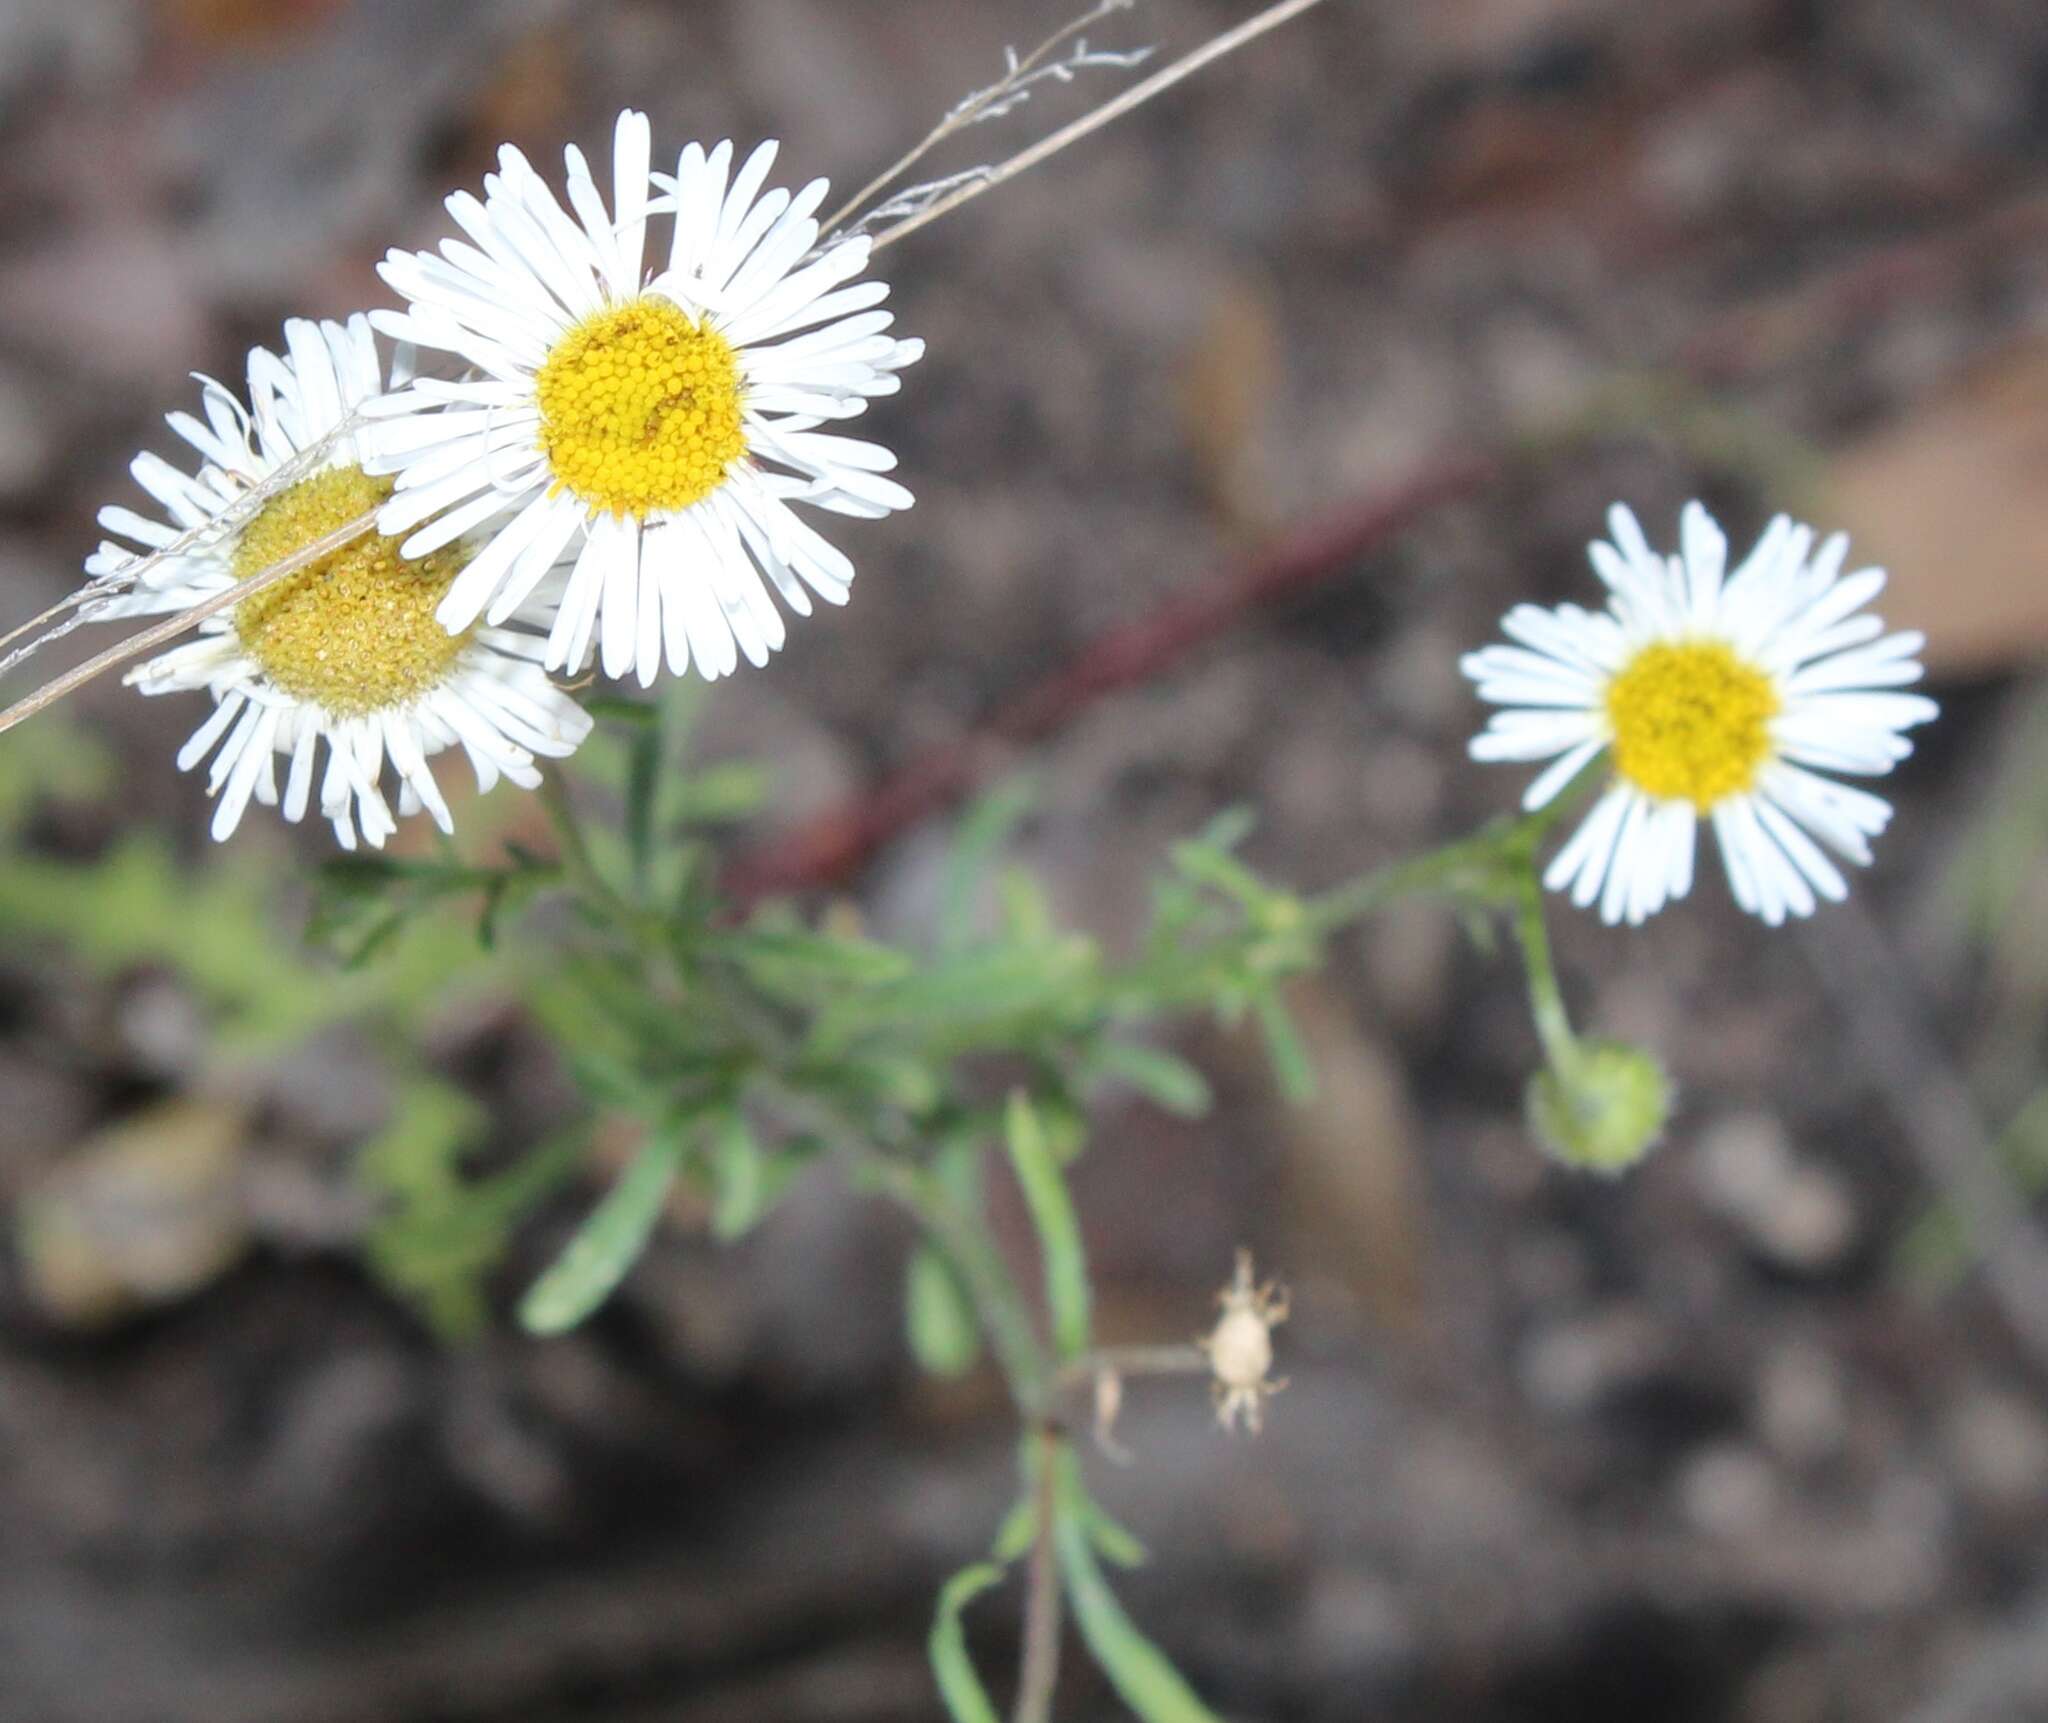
[1758, 1433]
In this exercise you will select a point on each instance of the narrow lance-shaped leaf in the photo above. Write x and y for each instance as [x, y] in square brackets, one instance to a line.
[943, 1335]
[643, 788]
[609, 1243]
[967, 1701]
[1291, 1064]
[1161, 1077]
[1059, 1234]
[983, 832]
[1141, 1673]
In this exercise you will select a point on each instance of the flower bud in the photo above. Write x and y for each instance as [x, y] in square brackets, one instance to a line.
[1604, 1110]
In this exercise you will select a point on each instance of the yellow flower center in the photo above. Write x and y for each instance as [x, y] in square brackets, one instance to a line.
[1691, 722]
[353, 633]
[640, 408]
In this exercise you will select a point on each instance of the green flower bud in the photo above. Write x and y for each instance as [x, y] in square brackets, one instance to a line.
[1602, 1112]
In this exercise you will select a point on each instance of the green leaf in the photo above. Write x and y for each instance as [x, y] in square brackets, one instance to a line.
[1112, 1542]
[439, 1234]
[1220, 871]
[1229, 828]
[748, 1178]
[794, 959]
[967, 1701]
[1027, 912]
[602, 1253]
[1291, 1063]
[1059, 1234]
[980, 998]
[1163, 1078]
[985, 830]
[1141, 1673]
[618, 709]
[943, 1334]
[643, 790]
[1018, 1532]
[719, 795]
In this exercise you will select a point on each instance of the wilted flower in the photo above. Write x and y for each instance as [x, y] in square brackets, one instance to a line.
[347, 649]
[658, 430]
[1713, 699]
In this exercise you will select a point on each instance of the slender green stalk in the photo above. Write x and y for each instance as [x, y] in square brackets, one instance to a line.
[1546, 998]
[1039, 1667]
[1005, 1315]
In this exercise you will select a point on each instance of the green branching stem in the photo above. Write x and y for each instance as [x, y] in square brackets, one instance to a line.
[863, 1055]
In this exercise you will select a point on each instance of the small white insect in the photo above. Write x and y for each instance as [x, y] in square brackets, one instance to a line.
[1240, 1347]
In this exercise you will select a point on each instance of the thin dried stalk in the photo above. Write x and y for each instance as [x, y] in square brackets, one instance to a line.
[110, 585]
[1135, 97]
[998, 99]
[159, 634]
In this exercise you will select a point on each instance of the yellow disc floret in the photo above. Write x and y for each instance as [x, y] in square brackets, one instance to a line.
[1691, 722]
[353, 633]
[640, 408]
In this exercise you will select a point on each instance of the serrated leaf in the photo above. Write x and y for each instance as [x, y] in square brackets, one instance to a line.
[967, 1701]
[607, 1245]
[1059, 1233]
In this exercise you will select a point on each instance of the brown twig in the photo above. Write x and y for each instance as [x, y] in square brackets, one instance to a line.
[833, 848]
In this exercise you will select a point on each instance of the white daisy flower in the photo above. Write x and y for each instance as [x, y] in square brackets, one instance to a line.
[655, 428]
[347, 649]
[1716, 699]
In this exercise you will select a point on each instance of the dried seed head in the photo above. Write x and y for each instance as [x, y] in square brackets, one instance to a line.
[1240, 1347]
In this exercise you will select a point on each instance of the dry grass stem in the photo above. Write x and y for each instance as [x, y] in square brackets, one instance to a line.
[981, 180]
[161, 633]
[1008, 92]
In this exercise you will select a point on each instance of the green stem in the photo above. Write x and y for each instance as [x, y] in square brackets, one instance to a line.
[1546, 998]
[577, 862]
[1005, 1315]
[1039, 1667]
[1469, 868]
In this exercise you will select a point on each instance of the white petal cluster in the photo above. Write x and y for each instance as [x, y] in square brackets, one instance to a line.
[494, 702]
[1788, 616]
[679, 586]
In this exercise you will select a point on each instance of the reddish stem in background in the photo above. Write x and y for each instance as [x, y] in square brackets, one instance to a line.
[831, 849]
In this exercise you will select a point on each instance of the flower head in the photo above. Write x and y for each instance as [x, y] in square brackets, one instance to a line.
[657, 428]
[1603, 1110]
[346, 650]
[1715, 697]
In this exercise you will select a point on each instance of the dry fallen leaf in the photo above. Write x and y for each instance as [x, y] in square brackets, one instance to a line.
[1953, 501]
[144, 1213]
